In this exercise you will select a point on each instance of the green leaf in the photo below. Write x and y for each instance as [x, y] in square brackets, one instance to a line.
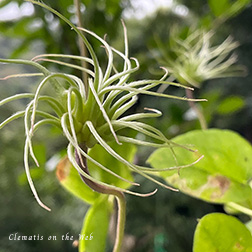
[227, 8]
[36, 174]
[230, 105]
[126, 150]
[70, 179]
[237, 7]
[219, 232]
[223, 174]
[209, 107]
[95, 226]
[219, 7]
[4, 2]
[40, 153]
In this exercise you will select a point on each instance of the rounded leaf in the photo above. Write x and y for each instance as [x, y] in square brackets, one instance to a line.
[222, 176]
[218, 232]
[230, 105]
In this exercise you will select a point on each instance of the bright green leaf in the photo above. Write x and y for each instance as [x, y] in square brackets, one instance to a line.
[126, 150]
[230, 105]
[219, 7]
[223, 174]
[40, 153]
[218, 232]
[36, 172]
[227, 8]
[70, 179]
[95, 226]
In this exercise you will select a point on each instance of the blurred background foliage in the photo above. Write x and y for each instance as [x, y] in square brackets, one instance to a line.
[166, 221]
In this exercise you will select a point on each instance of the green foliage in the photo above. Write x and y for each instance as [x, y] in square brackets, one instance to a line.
[227, 8]
[37, 173]
[223, 174]
[102, 16]
[126, 150]
[95, 226]
[220, 232]
[230, 105]
[218, 8]
[221, 106]
[71, 181]
[70, 178]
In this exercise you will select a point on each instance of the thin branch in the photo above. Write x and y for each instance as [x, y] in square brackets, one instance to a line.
[121, 217]
[196, 109]
[82, 47]
[240, 208]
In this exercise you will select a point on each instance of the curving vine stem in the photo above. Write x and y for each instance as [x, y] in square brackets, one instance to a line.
[121, 202]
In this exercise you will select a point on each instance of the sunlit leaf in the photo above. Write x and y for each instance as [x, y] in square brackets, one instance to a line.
[223, 174]
[220, 232]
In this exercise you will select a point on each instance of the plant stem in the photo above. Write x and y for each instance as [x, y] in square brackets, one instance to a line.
[82, 47]
[240, 208]
[121, 202]
[121, 218]
[196, 109]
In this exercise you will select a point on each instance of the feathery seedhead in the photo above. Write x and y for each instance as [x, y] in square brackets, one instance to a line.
[90, 113]
[194, 59]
